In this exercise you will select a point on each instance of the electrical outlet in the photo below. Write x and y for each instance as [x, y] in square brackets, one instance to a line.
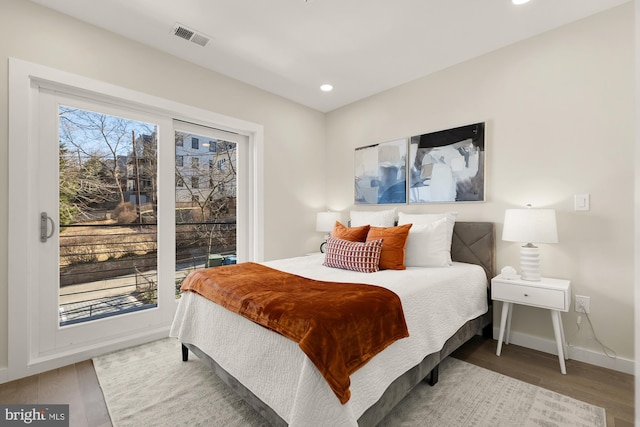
[582, 304]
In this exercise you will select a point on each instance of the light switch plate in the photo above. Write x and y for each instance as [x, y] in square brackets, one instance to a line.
[581, 202]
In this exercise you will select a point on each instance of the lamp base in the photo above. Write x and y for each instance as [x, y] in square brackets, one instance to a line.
[530, 262]
[323, 245]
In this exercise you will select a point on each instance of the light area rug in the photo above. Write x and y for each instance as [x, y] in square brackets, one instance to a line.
[149, 385]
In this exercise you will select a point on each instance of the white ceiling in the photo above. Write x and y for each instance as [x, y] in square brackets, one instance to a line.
[361, 47]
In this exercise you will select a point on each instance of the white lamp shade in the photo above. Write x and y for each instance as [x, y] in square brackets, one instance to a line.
[530, 226]
[325, 221]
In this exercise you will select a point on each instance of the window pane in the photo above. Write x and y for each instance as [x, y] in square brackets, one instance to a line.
[205, 205]
[108, 204]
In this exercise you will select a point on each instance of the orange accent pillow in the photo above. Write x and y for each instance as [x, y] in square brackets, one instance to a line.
[352, 234]
[394, 241]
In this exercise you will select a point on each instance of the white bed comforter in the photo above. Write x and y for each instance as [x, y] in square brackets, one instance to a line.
[436, 303]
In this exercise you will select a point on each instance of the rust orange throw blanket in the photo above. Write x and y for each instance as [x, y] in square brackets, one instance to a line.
[339, 326]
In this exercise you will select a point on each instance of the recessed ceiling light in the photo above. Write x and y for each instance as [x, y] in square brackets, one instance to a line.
[326, 87]
[519, 1]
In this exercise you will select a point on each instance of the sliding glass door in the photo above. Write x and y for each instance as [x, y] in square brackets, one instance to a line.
[98, 196]
[112, 200]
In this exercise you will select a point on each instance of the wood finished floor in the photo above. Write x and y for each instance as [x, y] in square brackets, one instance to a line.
[611, 390]
[78, 385]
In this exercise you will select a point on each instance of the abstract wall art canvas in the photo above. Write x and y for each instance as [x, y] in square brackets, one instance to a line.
[448, 165]
[380, 173]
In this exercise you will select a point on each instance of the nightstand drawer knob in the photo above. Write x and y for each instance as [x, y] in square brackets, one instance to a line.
[526, 295]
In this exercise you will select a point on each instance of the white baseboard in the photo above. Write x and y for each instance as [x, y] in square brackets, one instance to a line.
[4, 375]
[575, 353]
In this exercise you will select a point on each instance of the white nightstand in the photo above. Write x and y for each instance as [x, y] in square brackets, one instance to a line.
[551, 294]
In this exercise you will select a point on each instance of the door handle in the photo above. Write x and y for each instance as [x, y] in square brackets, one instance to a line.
[44, 220]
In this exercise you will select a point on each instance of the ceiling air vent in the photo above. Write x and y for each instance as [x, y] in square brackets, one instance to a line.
[183, 32]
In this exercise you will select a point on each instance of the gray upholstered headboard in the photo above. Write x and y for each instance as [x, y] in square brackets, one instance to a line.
[474, 243]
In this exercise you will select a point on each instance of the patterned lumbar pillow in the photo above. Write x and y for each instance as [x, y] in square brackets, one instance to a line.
[356, 256]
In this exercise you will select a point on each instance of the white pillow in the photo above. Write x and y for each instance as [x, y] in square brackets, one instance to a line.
[427, 245]
[375, 219]
[418, 219]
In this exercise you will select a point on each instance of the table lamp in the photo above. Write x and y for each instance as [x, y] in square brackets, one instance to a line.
[530, 226]
[325, 221]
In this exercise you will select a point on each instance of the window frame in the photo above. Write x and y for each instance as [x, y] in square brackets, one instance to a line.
[25, 81]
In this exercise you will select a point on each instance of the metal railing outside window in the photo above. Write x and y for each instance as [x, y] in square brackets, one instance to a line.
[111, 269]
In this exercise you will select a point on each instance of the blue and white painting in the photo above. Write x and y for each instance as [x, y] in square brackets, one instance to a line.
[447, 166]
[381, 173]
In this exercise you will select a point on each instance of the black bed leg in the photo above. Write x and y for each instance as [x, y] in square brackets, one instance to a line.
[487, 331]
[185, 353]
[433, 378]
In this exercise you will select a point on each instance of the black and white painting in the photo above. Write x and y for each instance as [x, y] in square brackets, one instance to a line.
[381, 173]
[447, 166]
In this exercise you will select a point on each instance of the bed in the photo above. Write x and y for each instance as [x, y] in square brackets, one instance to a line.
[276, 378]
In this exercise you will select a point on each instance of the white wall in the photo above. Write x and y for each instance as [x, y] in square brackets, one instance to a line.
[637, 211]
[559, 121]
[293, 135]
